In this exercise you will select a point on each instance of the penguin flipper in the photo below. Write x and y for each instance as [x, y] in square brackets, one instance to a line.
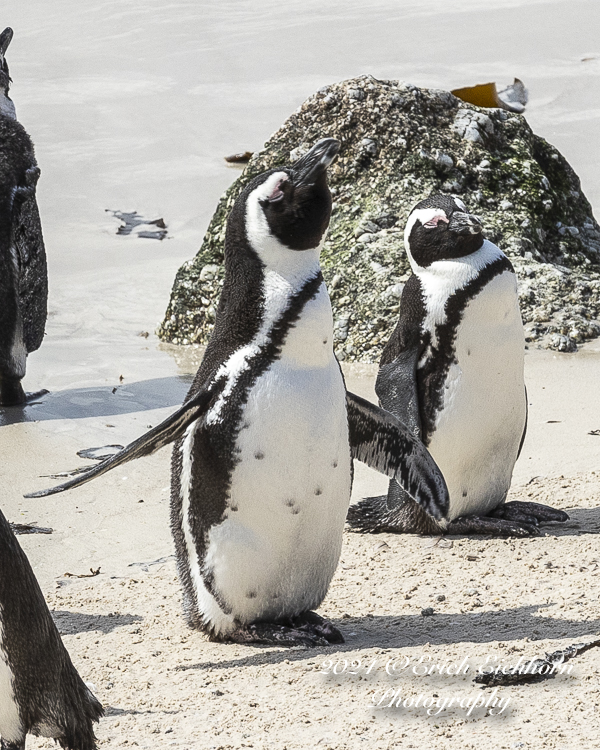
[166, 432]
[396, 388]
[382, 442]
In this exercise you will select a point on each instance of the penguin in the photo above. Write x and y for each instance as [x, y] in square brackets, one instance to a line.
[453, 372]
[23, 273]
[262, 465]
[41, 692]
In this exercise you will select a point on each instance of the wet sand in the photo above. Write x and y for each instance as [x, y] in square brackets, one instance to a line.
[132, 107]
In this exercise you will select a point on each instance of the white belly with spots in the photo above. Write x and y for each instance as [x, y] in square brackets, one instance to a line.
[478, 431]
[277, 550]
[10, 724]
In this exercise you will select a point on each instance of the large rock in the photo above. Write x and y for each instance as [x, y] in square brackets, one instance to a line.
[400, 143]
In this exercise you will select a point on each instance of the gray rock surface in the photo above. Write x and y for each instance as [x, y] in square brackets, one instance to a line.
[400, 143]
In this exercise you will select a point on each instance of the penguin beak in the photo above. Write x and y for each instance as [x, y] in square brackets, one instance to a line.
[5, 39]
[308, 169]
[463, 223]
[5, 79]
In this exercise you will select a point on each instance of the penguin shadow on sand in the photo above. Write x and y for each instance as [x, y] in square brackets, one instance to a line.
[581, 521]
[402, 631]
[71, 623]
[101, 401]
[41, 692]
[23, 273]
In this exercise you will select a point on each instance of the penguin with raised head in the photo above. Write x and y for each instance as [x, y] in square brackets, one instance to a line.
[452, 371]
[23, 274]
[41, 692]
[262, 467]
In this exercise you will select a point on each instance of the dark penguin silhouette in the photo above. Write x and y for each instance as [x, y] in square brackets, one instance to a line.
[452, 371]
[41, 692]
[262, 468]
[23, 274]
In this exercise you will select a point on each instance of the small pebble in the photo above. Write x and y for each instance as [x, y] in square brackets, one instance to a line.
[241, 158]
[427, 612]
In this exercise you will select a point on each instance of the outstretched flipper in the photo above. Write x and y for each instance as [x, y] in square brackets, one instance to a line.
[382, 442]
[166, 432]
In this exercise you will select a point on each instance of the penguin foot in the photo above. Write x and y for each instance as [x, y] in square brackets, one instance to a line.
[307, 629]
[30, 398]
[492, 526]
[519, 511]
[311, 622]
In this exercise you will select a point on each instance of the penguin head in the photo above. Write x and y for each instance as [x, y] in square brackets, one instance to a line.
[287, 209]
[7, 107]
[440, 228]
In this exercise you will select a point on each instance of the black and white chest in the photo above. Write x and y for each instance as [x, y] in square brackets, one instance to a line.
[470, 375]
[282, 415]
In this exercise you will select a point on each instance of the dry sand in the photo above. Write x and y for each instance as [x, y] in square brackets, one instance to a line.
[165, 685]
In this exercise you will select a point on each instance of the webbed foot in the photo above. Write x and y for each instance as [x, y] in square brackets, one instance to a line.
[529, 512]
[307, 629]
[492, 526]
[314, 623]
[518, 519]
[34, 398]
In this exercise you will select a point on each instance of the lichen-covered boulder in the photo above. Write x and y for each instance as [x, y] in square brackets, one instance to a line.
[400, 143]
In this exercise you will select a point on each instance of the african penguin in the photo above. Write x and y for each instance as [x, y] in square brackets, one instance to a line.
[41, 692]
[262, 467]
[452, 371]
[23, 274]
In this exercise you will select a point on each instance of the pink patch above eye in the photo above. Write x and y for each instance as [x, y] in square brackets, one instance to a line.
[277, 193]
[435, 221]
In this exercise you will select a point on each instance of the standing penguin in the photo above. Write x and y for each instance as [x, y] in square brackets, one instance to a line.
[41, 692]
[262, 467]
[452, 371]
[23, 274]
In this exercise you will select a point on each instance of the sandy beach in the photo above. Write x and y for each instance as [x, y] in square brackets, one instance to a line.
[132, 107]
[503, 599]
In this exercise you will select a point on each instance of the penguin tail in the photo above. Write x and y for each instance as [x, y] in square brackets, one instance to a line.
[81, 735]
[81, 710]
[394, 513]
[365, 517]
